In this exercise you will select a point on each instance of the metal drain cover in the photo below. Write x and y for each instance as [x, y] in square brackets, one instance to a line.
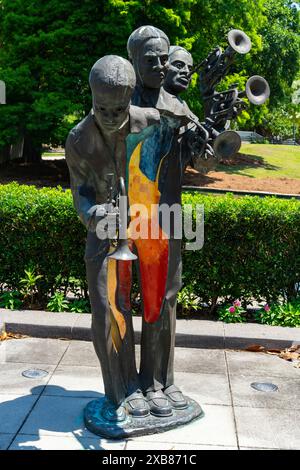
[34, 373]
[264, 387]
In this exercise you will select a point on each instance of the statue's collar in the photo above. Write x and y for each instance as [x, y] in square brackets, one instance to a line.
[139, 119]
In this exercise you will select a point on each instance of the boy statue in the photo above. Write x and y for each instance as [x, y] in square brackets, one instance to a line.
[95, 148]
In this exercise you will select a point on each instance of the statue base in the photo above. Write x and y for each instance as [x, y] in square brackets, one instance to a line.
[132, 427]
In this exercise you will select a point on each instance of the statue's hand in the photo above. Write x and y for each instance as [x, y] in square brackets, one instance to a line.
[198, 146]
[107, 214]
[103, 210]
[197, 139]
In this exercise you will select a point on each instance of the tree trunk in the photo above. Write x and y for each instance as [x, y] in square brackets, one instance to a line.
[5, 154]
[32, 153]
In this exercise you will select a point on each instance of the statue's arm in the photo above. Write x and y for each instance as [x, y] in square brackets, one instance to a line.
[84, 194]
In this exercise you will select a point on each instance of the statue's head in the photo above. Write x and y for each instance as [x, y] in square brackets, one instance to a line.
[112, 81]
[148, 50]
[180, 64]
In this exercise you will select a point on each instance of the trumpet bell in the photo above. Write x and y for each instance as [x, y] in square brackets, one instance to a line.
[227, 144]
[239, 41]
[122, 252]
[257, 89]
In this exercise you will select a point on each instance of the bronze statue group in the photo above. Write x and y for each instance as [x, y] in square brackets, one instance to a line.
[140, 132]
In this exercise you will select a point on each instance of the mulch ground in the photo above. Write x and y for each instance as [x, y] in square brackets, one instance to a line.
[222, 180]
[46, 173]
[55, 172]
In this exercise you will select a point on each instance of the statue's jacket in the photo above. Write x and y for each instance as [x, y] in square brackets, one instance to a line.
[142, 151]
[90, 157]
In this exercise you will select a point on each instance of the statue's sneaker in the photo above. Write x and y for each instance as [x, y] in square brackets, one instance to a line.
[159, 404]
[176, 398]
[137, 405]
[113, 413]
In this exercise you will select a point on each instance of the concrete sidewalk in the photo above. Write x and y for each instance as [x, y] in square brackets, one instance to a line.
[189, 333]
[47, 413]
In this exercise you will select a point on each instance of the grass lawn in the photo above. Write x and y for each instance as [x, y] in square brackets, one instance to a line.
[266, 161]
[53, 154]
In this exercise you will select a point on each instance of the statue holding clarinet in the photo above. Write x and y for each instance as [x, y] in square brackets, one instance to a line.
[131, 152]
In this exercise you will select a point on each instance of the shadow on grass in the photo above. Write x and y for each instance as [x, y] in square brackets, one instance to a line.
[237, 165]
[241, 162]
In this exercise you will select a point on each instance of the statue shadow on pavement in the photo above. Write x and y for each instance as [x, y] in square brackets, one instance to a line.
[56, 411]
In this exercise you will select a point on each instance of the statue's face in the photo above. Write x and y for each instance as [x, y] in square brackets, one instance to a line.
[177, 79]
[152, 63]
[111, 107]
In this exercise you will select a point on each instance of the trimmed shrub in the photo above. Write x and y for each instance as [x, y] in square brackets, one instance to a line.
[251, 249]
[39, 228]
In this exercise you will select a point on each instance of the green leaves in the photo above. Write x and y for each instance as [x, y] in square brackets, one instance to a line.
[58, 303]
[281, 314]
[39, 228]
[10, 300]
[251, 249]
[48, 49]
[232, 314]
[187, 300]
[29, 280]
[79, 306]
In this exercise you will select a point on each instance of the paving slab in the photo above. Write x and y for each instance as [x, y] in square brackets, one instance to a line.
[209, 389]
[39, 323]
[34, 350]
[14, 410]
[215, 428]
[2, 352]
[207, 361]
[137, 355]
[72, 381]
[199, 334]
[137, 445]
[5, 440]
[82, 328]
[242, 335]
[256, 448]
[202, 447]
[80, 353]
[287, 397]
[34, 442]
[13, 382]
[189, 333]
[264, 421]
[268, 428]
[256, 364]
[61, 416]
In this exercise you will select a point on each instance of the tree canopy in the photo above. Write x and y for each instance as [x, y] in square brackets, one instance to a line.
[47, 50]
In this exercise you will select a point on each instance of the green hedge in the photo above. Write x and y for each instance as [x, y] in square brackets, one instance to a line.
[39, 228]
[251, 249]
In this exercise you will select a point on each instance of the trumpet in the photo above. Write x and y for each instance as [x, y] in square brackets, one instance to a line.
[216, 64]
[257, 89]
[226, 144]
[121, 251]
